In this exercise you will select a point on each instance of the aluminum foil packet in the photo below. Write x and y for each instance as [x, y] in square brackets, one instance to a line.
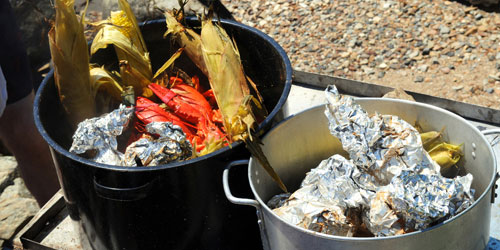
[170, 146]
[96, 137]
[389, 186]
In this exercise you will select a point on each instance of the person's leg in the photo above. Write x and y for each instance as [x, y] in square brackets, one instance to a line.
[20, 136]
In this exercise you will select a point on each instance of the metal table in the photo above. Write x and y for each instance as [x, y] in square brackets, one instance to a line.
[51, 228]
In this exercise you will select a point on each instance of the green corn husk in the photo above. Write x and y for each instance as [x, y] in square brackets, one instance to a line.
[228, 82]
[431, 139]
[69, 51]
[446, 155]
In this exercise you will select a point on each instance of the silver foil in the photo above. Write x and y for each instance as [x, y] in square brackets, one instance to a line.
[97, 138]
[390, 179]
[99, 135]
[170, 146]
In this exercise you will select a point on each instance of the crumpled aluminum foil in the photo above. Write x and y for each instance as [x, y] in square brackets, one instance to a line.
[170, 146]
[98, 136]
[390, 179]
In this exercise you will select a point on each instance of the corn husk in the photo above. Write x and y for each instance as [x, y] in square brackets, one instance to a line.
[446, 155]
[122, 31]
[228, 82]
[431, 139]
[69, 51]
[188, 39]
[103, 81]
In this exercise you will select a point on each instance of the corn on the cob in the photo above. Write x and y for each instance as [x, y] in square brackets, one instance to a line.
[186, 38]
[228, 82]
[69, 52]
[122, 31]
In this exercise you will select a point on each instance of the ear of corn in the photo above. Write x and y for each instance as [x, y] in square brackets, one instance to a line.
[228, 82]
[430, 139]
[186, 38]
[68, 48]
[122, 31]
[446, 155]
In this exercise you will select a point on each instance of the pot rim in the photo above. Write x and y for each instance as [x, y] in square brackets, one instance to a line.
[284, 95]
[263, 205]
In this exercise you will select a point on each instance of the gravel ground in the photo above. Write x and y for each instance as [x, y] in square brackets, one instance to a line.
[441, 48]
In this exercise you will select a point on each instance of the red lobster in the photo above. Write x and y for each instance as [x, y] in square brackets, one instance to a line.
[190, 110]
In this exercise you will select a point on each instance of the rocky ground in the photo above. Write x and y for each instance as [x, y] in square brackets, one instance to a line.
[17, 205]
[442, 48]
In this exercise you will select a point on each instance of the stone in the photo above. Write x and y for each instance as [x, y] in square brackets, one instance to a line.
[494, 77]
[381, 74]
[8, 171]
[445, 70]
[423, 68]
[399, 93]
[419, 79]
[444, 30]
[383, 66]
[490, 90]
[457, 88]
[18, 207]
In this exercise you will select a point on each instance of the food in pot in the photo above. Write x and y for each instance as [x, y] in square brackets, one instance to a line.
[389, 186]
[211, 115]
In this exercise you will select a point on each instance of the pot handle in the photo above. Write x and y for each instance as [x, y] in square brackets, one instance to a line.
[497, 176]
[123, 194]
[227, 190]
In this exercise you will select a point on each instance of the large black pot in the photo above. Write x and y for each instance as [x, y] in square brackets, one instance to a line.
[174, 206]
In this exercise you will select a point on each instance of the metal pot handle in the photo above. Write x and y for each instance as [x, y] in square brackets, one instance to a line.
[123, 194]
[497, 176]
[227, 190]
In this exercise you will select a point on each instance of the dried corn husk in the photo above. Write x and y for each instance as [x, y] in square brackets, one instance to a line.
[122, 31]
[229, 85]
[69, 52]
[188, 39]
[103, 80]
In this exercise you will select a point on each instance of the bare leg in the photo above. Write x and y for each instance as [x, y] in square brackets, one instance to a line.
[20, 136]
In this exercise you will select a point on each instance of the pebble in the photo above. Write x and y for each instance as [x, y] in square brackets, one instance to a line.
[490, 90]
[445, 70]
[457, 88]
[381, 74]
[365, 38]
[494, 77]
[419, 79]
[423, 68]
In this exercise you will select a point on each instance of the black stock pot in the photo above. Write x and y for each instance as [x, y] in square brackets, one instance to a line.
[174, 206]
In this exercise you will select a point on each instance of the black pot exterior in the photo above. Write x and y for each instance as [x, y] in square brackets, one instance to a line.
[174, 206]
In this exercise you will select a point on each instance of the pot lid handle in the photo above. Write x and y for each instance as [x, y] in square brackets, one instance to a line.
[227, 190]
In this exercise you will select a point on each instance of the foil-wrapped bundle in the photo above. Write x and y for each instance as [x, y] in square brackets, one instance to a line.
[389, 186]
[171, 145]
[98, 135]
[97, 139]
